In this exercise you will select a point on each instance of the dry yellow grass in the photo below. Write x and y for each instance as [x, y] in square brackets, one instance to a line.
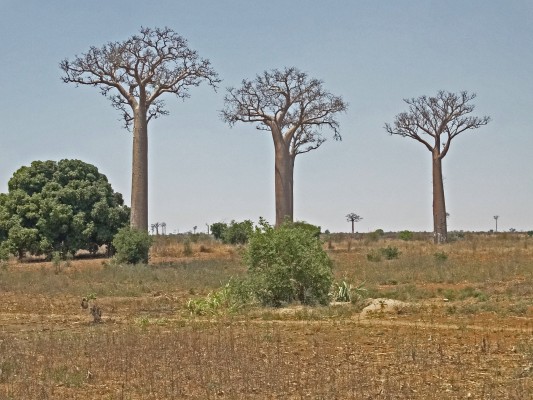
[478, 344]
[174, 248]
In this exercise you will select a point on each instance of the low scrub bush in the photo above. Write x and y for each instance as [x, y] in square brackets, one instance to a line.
[288, 263]
[233, 297]
[388, 253]
[455, 236]
[405, 235]
[132, 246]
[374, 236]
[345, 292]
[238, 232]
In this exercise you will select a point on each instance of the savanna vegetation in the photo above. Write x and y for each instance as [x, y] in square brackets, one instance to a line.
[179, 328]
[250, 311]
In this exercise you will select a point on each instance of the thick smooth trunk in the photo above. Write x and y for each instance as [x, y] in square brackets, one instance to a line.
[139, 176]
[440, 229]
[284, 171]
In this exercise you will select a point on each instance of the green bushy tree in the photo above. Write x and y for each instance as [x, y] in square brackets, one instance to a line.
[218, 229]
[132, 245]
[234, 233]
[288, 263]
[238, 232]
[312, 229]
[60, 207]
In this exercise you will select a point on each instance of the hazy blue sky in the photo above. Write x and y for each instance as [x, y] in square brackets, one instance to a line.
[373, 53]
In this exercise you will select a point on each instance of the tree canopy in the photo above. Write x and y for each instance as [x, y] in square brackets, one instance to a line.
[353, 218]
[295, 109]
[60, 206]
[435, 122]
[134, 74]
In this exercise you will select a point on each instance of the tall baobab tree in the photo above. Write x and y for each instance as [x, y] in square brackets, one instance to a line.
[435, 122]
[353, 218]
[295, 109]
[134, 74]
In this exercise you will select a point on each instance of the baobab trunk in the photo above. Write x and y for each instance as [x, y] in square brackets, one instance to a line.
[284, 169]
[139, 179]
[440, 230]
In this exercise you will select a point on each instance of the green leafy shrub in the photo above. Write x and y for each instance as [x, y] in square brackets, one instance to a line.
[530, 233]
[312, 229]
[62, 206]
[132, 246]
[218, 229]
[405, 235]
[390, 253]
[238, 232]
[455, 236]
[233, 297]
[374, 236]
[288, 263]
[4, 251]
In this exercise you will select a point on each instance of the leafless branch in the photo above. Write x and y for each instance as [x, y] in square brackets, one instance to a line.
[435, 121]
[137, 71]
[288, 102]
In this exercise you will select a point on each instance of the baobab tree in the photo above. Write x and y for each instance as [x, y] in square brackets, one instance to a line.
[353, 218]
[295, 109]
[435, 122]
[134, 74]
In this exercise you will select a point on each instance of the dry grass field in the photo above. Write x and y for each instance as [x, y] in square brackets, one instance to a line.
[464, 332]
